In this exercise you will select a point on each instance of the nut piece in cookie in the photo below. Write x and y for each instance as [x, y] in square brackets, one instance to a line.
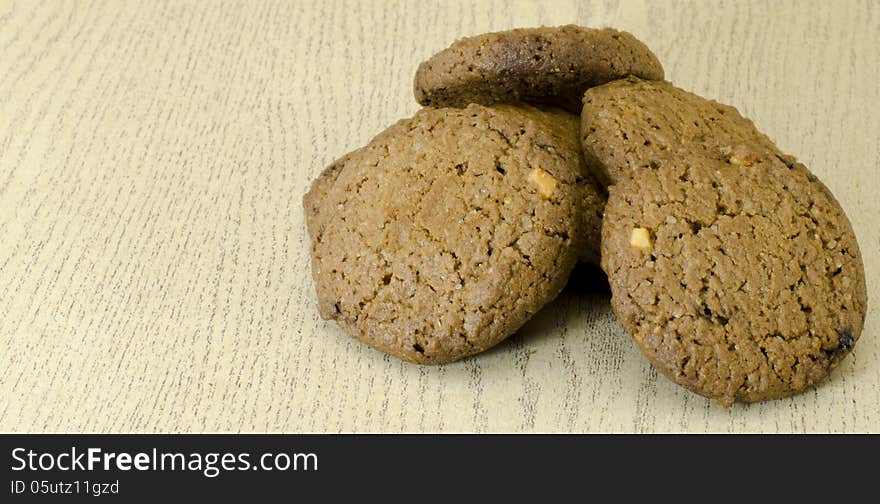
[543, 182]
[640, 238]
[547, 65]
[450, 229]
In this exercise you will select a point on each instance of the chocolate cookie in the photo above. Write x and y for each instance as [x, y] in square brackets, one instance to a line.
[736, 272]
[626, 123]
[541, 65]
[444, 234]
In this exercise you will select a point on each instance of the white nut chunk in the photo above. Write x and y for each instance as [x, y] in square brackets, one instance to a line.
[741, 155]
[544, 182]
[640, 238]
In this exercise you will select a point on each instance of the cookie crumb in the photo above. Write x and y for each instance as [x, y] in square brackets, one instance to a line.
[544, 182]
[640, 238]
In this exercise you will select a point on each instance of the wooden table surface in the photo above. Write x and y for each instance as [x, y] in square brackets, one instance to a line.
[154, 265]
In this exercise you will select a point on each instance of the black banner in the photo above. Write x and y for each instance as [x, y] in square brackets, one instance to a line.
[126, 468]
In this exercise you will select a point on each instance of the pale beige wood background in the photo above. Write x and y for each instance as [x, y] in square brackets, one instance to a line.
[154, 267]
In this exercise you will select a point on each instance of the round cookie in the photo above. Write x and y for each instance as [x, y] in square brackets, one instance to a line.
[737, 275]
[547, 65]
[626, 123]
[444, 234]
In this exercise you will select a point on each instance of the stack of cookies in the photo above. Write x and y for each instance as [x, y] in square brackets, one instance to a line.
[732, 267]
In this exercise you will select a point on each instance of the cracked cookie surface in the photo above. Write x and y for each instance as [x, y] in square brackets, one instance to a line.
[444, 234]
[738, 280]
[547, 65]
[626, 123]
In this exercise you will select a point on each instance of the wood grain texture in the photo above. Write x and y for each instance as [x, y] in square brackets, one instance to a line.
[154, 272]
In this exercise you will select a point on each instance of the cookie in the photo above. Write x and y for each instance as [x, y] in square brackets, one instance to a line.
[736, 272]
[548, 65]
[626, 123]
[450, 229]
